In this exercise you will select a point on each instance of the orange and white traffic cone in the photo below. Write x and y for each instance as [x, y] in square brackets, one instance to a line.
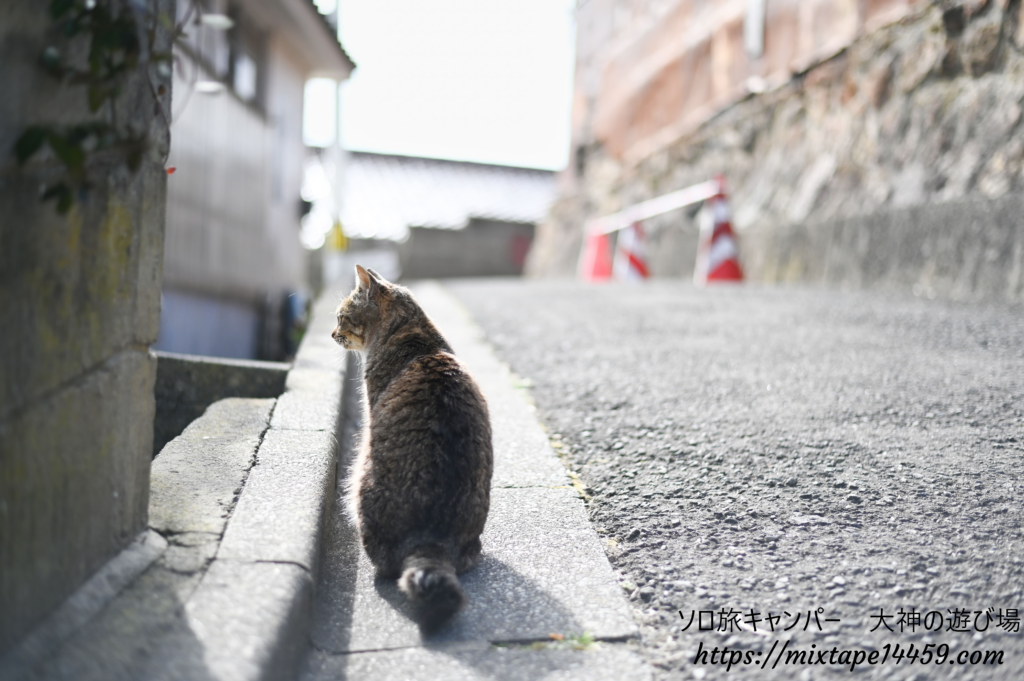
[718, 258]
[596, 257]
[631, 254]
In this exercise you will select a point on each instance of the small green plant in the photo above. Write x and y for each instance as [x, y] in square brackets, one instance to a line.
[121, 36]
[584, 641]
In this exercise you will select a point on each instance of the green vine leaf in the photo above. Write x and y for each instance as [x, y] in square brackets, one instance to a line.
[120, 33]
[62, 192]
[59, 8]
[134, 158]
[67, 151]
[29, 143]
[97, 96]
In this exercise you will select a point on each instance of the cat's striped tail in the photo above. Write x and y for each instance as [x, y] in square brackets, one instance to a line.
[429, 580]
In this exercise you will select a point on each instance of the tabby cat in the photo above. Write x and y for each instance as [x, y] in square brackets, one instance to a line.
[419, 490]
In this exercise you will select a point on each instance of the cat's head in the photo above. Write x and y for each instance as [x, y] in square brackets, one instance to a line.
[360, 315]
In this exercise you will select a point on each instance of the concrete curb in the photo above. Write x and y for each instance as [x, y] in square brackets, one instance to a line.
[253, 608]
[237, 511]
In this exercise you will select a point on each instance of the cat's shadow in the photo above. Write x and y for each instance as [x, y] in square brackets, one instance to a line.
[494, 635]
[511, 614]
[506, 611]
[504, 606]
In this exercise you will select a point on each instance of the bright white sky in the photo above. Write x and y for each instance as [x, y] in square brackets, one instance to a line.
[470, 80]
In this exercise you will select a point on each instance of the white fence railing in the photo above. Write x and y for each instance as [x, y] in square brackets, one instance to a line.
[648, 209]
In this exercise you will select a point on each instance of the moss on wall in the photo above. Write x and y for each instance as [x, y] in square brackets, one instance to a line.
[79, 306]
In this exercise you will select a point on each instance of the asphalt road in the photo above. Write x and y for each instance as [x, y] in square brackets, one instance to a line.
[806, 455]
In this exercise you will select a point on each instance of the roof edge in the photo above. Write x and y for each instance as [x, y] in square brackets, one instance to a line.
[332, 31]
[307, 34]
[432, 159]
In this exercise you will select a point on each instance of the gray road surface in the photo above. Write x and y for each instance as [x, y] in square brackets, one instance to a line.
[800, 454]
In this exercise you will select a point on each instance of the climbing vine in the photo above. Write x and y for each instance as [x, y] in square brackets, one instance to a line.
[120, 37]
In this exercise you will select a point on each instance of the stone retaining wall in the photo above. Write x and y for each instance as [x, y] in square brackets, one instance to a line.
[910, 139]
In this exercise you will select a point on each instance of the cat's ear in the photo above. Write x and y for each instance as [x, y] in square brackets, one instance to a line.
[363, 277]
[370, 282]
[376, 276]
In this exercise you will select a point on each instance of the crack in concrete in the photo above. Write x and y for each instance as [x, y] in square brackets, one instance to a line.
[485, 644]
[236, 497]
[305, 569]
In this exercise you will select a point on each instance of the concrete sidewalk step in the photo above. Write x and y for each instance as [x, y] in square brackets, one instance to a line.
[220, 587]
[142, 631]
[543, 572]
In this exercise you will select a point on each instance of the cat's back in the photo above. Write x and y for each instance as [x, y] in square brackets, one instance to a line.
[432, 404]
[429, 460]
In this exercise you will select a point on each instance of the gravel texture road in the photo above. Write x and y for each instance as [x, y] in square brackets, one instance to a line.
[775, 458]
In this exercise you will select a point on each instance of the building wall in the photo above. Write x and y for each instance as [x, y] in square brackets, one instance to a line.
[233, 201]
[209, 326]
[79, 305]
[906, 142]
[286, 77]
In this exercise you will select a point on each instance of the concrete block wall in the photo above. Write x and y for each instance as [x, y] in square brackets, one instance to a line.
[187, 384]
[482, 248]
[79, 305]
[970, 249]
